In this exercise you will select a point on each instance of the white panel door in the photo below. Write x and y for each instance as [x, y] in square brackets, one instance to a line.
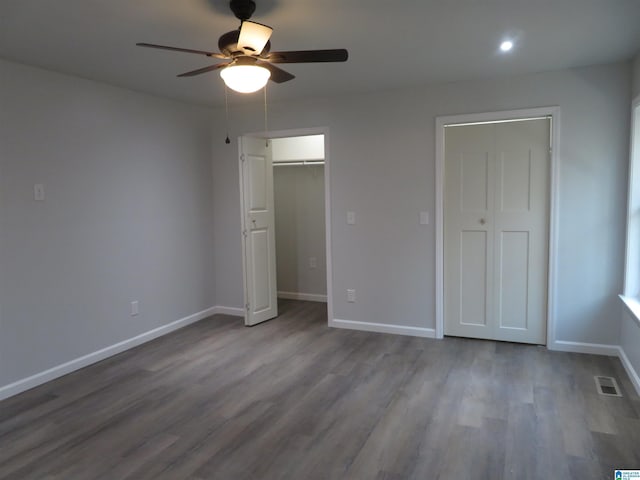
[496, 230]
[258, 230]
[469, 178]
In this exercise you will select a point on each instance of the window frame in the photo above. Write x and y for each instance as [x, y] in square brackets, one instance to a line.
[631, 293]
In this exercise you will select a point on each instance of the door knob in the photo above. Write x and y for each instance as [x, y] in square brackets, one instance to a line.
[482, 221]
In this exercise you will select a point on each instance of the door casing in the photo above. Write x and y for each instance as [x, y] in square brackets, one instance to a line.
[441, 122]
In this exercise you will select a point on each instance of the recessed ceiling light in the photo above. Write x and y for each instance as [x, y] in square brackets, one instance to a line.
[506, 45]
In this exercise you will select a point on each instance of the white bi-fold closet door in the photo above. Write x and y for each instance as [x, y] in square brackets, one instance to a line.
[258, 225]
[496, 224]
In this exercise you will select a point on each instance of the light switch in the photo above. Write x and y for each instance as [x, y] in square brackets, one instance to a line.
[351, 218]
[38, 192]
[351, 295]
[424, 218]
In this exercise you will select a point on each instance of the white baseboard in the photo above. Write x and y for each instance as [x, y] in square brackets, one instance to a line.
[580, 347]
[81, 362]
[628, 366]
[310, 297]
[233, 311]
[600, 349]
[383, 328]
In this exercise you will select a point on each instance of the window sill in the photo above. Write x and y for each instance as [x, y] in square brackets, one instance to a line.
[633, 307]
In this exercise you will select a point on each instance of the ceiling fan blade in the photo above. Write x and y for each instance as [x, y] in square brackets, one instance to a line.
[277, 74]
[253, 37]
[309, 56]
[199, 71]
[185, 50]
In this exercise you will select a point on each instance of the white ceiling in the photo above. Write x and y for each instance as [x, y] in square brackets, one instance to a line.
[392, 44]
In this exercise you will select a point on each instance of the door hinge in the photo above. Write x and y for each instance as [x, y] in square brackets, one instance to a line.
[244, 233]
[242, 157]
[247, 307]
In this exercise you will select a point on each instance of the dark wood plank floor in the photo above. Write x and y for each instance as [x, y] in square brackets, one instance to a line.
[293, 399]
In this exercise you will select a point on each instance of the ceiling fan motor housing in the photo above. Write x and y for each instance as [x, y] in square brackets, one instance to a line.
[228, 44]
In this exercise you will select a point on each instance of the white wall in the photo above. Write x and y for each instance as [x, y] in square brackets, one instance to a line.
[300, 229]
[630, 343]
[382, 167]
[127, 216]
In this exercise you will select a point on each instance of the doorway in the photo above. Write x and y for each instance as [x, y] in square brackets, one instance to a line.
[495, 203]
[298, 186]
[285, 206]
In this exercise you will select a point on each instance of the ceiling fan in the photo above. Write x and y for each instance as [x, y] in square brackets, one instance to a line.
[248, 51]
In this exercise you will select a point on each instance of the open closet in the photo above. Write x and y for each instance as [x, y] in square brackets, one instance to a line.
[298, 185]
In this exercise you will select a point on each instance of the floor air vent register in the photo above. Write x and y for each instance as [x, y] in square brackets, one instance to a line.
[607, 386]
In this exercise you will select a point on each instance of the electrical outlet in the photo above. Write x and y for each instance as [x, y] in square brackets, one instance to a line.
[135, 308]
[38, 192]
[351, 218]
[313, 262]
[351, 295]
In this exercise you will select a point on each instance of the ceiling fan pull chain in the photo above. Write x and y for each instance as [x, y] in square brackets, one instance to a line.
[226, 114]
[266, 127]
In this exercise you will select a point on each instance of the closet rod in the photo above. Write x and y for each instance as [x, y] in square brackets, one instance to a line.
[300, 163]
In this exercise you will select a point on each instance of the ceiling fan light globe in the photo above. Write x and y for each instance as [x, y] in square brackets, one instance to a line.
[245, 78]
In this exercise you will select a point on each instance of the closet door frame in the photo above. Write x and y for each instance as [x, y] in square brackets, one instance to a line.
[441, 122]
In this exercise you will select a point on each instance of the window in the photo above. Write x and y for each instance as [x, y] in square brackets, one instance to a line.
[631, 295]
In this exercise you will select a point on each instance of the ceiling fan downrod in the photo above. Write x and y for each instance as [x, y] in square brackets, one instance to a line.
[242, 9]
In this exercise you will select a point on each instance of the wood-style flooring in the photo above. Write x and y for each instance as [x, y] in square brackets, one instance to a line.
[293, 399]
